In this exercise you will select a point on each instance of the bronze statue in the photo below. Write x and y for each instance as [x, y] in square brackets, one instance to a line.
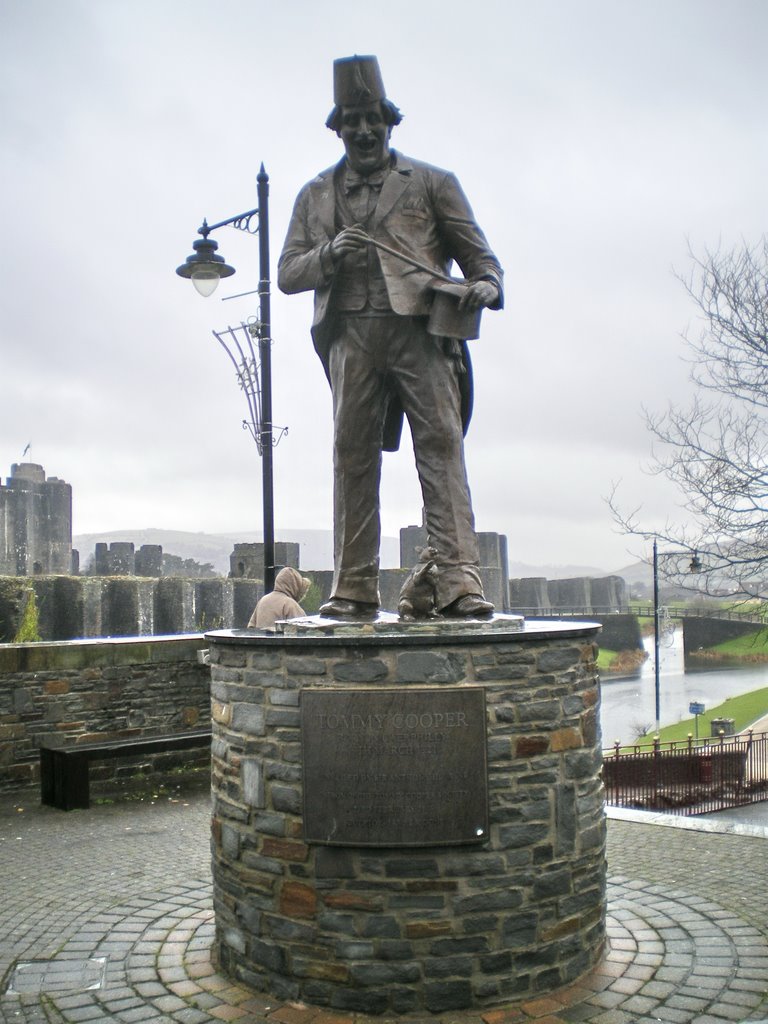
[374, 238]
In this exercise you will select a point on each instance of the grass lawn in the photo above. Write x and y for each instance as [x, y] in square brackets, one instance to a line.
[604, 658]
[620, 663]
[744, 710]
[751, 643]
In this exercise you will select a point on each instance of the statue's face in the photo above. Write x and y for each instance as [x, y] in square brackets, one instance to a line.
[365, 135]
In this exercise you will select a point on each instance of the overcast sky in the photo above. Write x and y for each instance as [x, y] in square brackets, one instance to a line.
[594, 139]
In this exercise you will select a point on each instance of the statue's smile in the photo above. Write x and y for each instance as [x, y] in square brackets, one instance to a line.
[365, 135]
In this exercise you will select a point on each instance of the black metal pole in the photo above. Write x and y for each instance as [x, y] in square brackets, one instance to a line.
[265, 357]
[656, 632]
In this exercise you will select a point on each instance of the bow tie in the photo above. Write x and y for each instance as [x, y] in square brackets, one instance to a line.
[354, 181]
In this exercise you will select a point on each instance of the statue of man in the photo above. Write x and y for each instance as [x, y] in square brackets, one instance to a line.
[370, 329]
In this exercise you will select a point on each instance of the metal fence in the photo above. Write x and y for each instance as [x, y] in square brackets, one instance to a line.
[689, 777]
[642, 611]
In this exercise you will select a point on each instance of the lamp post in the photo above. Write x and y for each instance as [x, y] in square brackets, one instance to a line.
[694, 566]
[205, 268]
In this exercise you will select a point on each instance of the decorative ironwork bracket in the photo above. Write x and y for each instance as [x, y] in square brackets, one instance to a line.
[244, 357]
[241, 221]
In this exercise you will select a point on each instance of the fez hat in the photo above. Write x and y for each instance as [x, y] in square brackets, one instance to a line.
[357, 80]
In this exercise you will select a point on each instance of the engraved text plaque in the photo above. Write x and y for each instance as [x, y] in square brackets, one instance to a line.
[395, 767]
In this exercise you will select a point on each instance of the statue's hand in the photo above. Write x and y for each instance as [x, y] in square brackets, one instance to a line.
[479, 293]
[348, 240]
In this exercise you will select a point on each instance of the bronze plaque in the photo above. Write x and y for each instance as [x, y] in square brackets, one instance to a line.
[395, 767]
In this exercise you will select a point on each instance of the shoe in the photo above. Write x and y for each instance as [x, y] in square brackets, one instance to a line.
[470, 606]
[342, 608]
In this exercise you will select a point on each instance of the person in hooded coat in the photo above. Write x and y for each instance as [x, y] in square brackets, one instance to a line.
[283, 601]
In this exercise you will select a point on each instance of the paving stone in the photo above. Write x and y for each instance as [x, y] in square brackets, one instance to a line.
[668, 1013]
[191, 1016]
[205, 1000]
[685, 1002]
[83, 1013]
[146, 1012]
[168, 1003]
[151, 988]
[657, 989]
[639, 1004]
[614, 1017]
[607, 999]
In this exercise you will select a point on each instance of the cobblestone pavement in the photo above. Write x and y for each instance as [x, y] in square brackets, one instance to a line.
[106, 916]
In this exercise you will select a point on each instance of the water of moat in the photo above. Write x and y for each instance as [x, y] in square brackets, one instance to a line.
[629, 703]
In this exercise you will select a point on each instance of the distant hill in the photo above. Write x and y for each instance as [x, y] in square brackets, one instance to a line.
[315, 546]
[638, 572]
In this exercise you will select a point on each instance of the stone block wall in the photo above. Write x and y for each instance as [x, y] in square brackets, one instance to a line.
[699, 632]
[618, 632]
[426, 929]
[72, 607]
[529, 592]
[86, 691]
[247, 560]
[608, 592]
[120, 558]
[570, 593]
[536, 595]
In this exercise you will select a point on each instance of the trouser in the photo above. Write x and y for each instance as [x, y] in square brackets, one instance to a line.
[369, 359]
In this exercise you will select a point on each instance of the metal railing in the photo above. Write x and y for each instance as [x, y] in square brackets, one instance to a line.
[689, 777]
[641, 611]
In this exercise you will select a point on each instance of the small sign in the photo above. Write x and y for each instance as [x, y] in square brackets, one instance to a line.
[696, 708]
[395, 767]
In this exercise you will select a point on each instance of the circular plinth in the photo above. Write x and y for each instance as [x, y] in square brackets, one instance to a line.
[507, 903]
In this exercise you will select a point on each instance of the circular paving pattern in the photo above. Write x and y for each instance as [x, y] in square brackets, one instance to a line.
[670, 956]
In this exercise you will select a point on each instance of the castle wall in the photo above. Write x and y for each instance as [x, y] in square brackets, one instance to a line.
[536, 595]
[75, 607]
[247, 560]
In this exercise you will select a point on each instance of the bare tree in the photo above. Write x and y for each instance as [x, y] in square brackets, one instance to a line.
[716, 451]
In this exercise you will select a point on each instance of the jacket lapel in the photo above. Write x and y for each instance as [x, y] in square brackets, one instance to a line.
[395, 184]
[324, 200]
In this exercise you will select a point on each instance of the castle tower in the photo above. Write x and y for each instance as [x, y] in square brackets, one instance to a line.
[35, 523]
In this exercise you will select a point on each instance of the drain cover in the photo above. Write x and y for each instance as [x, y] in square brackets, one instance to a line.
[33, 976]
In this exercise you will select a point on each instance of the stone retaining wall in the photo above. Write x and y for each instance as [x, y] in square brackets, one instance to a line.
[619, 632]
[393, 930]
[90, 690]
[70, 607]
[700, 633]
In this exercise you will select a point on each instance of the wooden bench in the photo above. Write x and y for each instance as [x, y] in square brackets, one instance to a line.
[64, 770]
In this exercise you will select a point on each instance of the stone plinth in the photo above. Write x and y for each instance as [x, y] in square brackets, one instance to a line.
[425, 928]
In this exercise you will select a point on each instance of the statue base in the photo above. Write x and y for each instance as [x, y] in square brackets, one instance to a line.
[407, 817]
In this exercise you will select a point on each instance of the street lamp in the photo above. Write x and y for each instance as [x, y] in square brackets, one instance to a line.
[205, 268]
[694, 566]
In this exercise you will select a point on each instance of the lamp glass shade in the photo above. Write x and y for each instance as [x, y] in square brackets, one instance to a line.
[205, 280]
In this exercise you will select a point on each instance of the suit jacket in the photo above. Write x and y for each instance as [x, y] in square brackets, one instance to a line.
[421, 211]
